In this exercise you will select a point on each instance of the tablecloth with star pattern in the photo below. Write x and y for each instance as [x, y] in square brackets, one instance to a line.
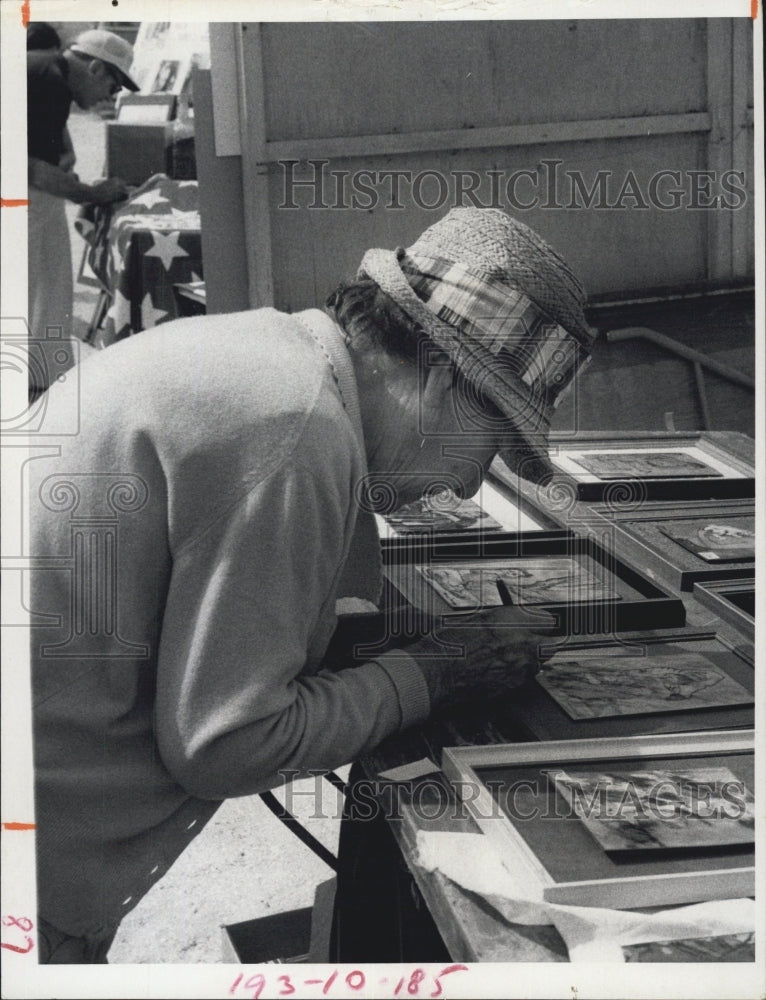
[139, 249]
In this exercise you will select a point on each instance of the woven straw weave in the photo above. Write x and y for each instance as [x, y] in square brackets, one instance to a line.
[511, 253]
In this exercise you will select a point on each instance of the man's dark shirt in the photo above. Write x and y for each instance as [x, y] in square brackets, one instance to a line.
[49, 101]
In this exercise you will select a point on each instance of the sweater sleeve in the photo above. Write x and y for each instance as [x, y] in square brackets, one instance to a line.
[250, 605]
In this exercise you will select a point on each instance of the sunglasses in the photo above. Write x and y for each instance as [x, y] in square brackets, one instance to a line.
[116, 85]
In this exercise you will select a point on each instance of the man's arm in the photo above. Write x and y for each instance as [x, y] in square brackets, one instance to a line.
[68, 157]
[64, 184]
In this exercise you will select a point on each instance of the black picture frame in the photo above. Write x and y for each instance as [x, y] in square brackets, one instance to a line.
[638, 537]
[542, 717]
[643, 604]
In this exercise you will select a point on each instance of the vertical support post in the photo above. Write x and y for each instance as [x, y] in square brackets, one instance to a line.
[255, 176]
[719, 100]
[699, 378]
[743, 218]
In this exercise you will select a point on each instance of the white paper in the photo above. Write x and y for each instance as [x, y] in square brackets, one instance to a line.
[408, 772]
[591, 934]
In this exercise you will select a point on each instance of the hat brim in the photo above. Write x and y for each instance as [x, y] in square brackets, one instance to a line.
[526, 422]
[124, 79]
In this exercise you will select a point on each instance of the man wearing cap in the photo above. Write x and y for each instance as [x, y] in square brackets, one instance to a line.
[92, 69]
[194, 538]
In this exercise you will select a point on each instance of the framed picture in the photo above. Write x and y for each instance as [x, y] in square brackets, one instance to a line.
[624, 822]
[719, 948]
[641, 684]
[169, 75]
[732, 600]
[685, 542]
[630, 466]
[491, 510]
[543, 574]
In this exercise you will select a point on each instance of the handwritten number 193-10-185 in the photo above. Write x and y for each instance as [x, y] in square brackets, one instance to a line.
[415, 984]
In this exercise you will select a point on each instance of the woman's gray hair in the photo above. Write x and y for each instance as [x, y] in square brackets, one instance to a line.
[369, 316]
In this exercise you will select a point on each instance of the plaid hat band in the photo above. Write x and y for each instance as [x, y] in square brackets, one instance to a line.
[502, 319]
[464, 311]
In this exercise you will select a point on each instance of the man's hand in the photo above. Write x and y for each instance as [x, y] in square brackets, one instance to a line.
[66, 184]
[107, 191]
[497, 656]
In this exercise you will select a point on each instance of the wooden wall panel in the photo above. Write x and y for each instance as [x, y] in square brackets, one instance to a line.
[619, 96]
[612, 249]
[361, 78]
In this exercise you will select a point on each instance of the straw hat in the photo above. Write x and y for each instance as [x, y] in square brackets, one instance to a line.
[507, 310]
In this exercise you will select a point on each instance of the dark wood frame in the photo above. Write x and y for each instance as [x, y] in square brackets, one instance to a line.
[542, 717]
[673, 563]
[654, 609]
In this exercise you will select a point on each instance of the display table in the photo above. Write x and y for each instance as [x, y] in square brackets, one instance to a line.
[138, 250]
[470, 929]
[384, 863]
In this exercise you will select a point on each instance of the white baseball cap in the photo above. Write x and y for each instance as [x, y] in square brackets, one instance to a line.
[109, 48]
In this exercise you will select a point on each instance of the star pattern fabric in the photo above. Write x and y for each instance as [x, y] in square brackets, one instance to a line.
[166, 248]
[119, 312]
[139, 250]
[150, 315]
[149, 198]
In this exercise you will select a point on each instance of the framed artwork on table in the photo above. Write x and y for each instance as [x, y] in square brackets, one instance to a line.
[631, 466]
[624, 822]
[688, 467]
[733, 600]
[718, 948]
[542, 574]
[638, 685]
[684, 542]
[443, 513]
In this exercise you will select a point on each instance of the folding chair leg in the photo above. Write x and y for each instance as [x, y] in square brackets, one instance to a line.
[99, 314]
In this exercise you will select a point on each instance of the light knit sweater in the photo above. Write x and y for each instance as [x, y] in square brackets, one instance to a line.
[192, 538]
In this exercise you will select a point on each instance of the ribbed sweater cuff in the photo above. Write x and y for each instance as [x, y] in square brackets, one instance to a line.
[410, 684]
